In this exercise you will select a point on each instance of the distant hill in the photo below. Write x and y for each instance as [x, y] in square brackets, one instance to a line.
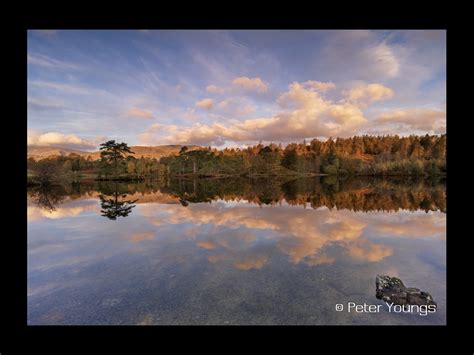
[41, 152]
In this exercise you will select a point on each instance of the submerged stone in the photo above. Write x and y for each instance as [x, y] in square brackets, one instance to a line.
[392, 290]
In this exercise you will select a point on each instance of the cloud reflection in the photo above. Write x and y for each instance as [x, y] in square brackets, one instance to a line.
[303, 235]
[249, 236]
[67, 209]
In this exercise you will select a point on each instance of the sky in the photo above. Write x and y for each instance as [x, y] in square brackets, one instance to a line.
[232, 88]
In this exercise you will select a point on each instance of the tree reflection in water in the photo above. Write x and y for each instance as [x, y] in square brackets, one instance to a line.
[116, 205]
[356, 194]
[47, 197]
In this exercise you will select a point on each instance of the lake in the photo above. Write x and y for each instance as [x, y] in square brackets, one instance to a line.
[233, 251]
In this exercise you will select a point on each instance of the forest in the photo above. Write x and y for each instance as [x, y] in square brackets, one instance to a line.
[359, 155]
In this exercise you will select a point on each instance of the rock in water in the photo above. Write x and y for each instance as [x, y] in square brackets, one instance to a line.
[392, 290]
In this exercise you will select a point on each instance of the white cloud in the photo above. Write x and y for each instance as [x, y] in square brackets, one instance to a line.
[305, 113]
[252, 84]
[61, 140]
[367, 94]
[414, 119]
[319, 85]
[205, 103]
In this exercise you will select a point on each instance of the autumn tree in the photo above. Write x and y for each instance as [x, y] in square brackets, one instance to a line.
[131, 167]
[290, 158]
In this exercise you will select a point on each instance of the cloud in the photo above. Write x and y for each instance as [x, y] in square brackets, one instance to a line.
[43, 105]
[361, 55]
[207, 244]
[366, 94]
[234, 233]
[215, 89]
[191, 114]
[254, 262]
[140, 237]
[205, 103]
[148, 137]
[415, 119]
[304, 236]
[252, 84]
[234, 107]
[48, 62]
[424, 226]
[217, 257]
[66, 88]
[319, 259]
[369, 252]
[383, 57]
[65, 210]
[138, 112]
[61, 140]
[238, 64]
[319, 85]
[243, 82]
[305, 113]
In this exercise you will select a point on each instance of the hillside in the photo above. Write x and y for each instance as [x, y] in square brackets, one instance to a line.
[41, 152]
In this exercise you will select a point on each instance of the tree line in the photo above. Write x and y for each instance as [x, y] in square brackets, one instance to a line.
[359, 155]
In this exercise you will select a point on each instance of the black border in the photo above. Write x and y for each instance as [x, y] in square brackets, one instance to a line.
[17, 335]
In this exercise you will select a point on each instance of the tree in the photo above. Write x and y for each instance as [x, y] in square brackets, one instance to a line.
[290, 159]
[114, 152]
[131, 167]
[359, 155]
[439, 149]
[31, 162]
[417, 150]
[140, 167]
[67, 166]
[76, 164]
[46, 170]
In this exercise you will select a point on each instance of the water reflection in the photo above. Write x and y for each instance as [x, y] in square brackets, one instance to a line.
[231, 250]
[355, 194]
[116, 205]
[303, 235]
[361, 194]
[47, 197]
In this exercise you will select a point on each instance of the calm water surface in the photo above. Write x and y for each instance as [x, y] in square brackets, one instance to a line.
[232, 251]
